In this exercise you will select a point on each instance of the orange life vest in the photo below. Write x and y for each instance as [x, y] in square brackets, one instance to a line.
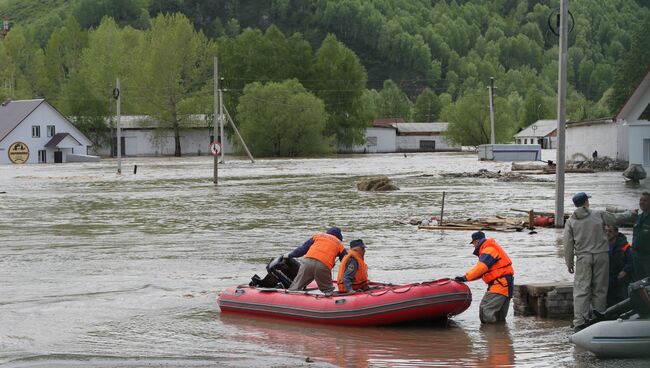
[496, 275]
[360, 278]
[325, 249]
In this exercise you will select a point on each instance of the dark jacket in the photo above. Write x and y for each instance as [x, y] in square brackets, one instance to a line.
[641, 238]
[620, 257]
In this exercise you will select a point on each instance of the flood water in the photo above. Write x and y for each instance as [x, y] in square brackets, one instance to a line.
[103, 270]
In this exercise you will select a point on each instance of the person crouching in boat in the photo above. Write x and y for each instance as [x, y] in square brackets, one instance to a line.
[495, 267]
[353, 272]
[320, 253]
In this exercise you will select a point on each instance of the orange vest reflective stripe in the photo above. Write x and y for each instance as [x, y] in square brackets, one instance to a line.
[625, 247]
[494, 276]
[325, 249]
[360, 278]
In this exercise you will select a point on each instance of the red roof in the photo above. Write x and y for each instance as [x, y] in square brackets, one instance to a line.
[387, 122]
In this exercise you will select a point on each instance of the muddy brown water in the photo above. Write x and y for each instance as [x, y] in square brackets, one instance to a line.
[123, 271]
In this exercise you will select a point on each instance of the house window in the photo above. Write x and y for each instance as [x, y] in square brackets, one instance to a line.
[51, 131]
[36, 131]
[371, 141]
[42, 156]
[646, 152]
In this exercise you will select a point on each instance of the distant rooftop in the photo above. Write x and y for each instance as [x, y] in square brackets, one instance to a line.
[540, 128]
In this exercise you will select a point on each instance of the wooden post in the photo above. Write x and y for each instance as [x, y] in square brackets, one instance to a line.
[531, 219]
[442, 210]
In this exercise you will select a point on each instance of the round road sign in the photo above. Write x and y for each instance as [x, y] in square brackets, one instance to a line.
[215, 148]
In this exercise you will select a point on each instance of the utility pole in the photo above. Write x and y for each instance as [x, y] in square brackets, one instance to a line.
[110, 119]
[221, 119]
[491, 90]
[215, 119]
[561, 113]
[118, 96]
[239, 135]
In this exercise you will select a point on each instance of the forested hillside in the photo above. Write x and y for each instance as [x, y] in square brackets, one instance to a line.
[420, 60]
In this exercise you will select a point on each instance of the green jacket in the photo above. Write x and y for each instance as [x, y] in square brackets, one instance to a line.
[641, 234]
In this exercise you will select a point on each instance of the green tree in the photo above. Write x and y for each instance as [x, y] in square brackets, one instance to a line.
[427, 106]
[282, 119]
[469, 120]
[632, 68]
[176, 63]
[535, 108]
[63, 55]
[393, 103]
[340, 80]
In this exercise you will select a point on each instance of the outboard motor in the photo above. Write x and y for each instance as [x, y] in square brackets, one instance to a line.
[280, 273]
[637, 303]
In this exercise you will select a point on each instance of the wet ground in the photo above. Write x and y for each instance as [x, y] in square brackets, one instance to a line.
[103, 270]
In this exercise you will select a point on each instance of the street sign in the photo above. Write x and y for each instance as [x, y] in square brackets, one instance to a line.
[215, 148]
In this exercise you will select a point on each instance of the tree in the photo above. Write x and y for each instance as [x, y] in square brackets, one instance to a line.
[632, 67]
[393, 103]
[427, 106]
[63, 55]
[469, 120]
[535, 108]
[340, 80]
[282, 119]
[176, 62]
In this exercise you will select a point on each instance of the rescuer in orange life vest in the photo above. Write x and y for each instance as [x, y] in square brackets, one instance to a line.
[353, 272]
[495, 267]
[320, 253]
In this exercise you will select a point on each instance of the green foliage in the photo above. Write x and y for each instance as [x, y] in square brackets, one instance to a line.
[89, 13]
[632, 67]
[174, 63]
[340, 80]
[535, 108]
[470, 120]
[427, 106]
[393, 103]
[282, 120]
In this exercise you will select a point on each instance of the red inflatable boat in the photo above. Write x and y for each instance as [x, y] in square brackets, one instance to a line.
[381, 305]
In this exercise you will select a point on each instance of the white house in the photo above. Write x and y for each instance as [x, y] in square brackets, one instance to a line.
[605, 137]
[423, 137]
[141, 137]
[33, 131]
[635, 114]
[542, 132]
[625, 137]
[394, 135]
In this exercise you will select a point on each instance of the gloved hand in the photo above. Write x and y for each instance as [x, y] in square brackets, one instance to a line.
[460, 278]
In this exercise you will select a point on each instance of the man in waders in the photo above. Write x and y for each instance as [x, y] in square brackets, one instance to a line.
[584, 239]
[495, 268]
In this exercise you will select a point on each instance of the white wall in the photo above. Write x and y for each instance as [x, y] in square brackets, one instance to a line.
[412, 142]
[638, 132]
[43, 116]
[604, 138]
[148, 142]
[384, 138]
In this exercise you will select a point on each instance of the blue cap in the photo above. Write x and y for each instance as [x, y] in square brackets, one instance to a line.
[580, 198]
[477, 235]
[357, 243]
[335, 231]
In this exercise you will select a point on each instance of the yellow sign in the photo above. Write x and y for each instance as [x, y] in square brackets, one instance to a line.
[18, 153]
